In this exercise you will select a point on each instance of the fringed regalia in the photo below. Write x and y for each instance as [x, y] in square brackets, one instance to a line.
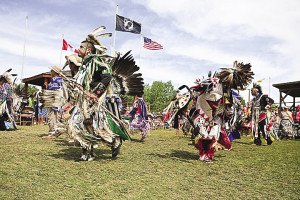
[208, 118]
[233, 116]
[177, 107]
[98, 120]
[7, 121]
[259, 116]
[213, 115]
[139, 118]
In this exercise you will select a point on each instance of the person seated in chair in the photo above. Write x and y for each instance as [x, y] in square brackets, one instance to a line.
[286, 114]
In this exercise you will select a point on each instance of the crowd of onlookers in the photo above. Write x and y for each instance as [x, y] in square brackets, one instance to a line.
[276, 117]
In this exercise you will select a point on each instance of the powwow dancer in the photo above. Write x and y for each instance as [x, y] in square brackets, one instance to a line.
[213, 98]
[259, 114]
[7, 121]
[233, 116]
[177, 107]
[101, 78]
[139, 117]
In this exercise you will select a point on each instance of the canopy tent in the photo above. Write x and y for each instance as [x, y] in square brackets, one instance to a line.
[40, 80]
[289, 89]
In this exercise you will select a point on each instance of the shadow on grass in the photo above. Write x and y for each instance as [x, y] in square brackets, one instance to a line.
[74, 153]
[137, 140]
[240, 142]
[43, 135]
[219, 156]
[62, 142]
[183, 156]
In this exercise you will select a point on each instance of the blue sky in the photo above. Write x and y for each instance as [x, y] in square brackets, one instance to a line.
[197, 35]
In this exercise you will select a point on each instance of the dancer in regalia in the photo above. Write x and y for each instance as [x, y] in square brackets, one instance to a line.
[139, 118]
[7, 121]
[213, 100]
[259, 115]
[94, 93]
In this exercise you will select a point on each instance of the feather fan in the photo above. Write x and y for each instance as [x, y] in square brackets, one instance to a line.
[124, 71]
[238, 77]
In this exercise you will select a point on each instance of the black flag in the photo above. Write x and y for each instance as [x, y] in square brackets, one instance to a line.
[127, 25]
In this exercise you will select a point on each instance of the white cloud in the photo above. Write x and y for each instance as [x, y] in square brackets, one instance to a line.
[197, 35]
[197, 29]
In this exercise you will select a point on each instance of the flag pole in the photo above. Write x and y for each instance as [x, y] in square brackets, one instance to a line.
[114, 44]
[269, 87]
[61, 52]
[24, 47]
[141, 49]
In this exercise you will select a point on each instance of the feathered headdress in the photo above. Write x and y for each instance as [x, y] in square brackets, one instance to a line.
[258, 87]
[7, 76]
[237, 77]
[92, 38]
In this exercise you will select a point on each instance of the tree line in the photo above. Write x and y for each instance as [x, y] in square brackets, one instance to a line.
[157, 95]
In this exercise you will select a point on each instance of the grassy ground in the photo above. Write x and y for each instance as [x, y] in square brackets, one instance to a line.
[164, 167]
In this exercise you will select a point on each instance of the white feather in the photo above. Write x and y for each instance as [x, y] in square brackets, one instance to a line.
[100, 48]
[98, 30]
[104, 35]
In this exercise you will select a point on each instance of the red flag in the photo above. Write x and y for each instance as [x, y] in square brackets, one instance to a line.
[66, 46]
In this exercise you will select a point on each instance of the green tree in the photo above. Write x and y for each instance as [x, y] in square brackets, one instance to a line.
[127, 100]
[243, 102]
[19, 89]
[158, 95]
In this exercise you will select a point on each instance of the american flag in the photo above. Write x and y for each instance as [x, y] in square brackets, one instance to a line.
[151, 45]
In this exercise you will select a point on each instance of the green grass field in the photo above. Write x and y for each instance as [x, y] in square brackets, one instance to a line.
[164, 167]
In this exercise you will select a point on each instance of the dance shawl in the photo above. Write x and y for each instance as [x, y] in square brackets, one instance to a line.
[139, 108]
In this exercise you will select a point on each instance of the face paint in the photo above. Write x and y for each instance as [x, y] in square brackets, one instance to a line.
[83, 50]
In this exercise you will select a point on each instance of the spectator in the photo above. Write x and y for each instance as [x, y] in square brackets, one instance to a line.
[286, 114]
[53, 112]
[297, 113]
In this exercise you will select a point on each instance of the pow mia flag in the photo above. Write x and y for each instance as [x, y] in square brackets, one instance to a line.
[127, 25]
